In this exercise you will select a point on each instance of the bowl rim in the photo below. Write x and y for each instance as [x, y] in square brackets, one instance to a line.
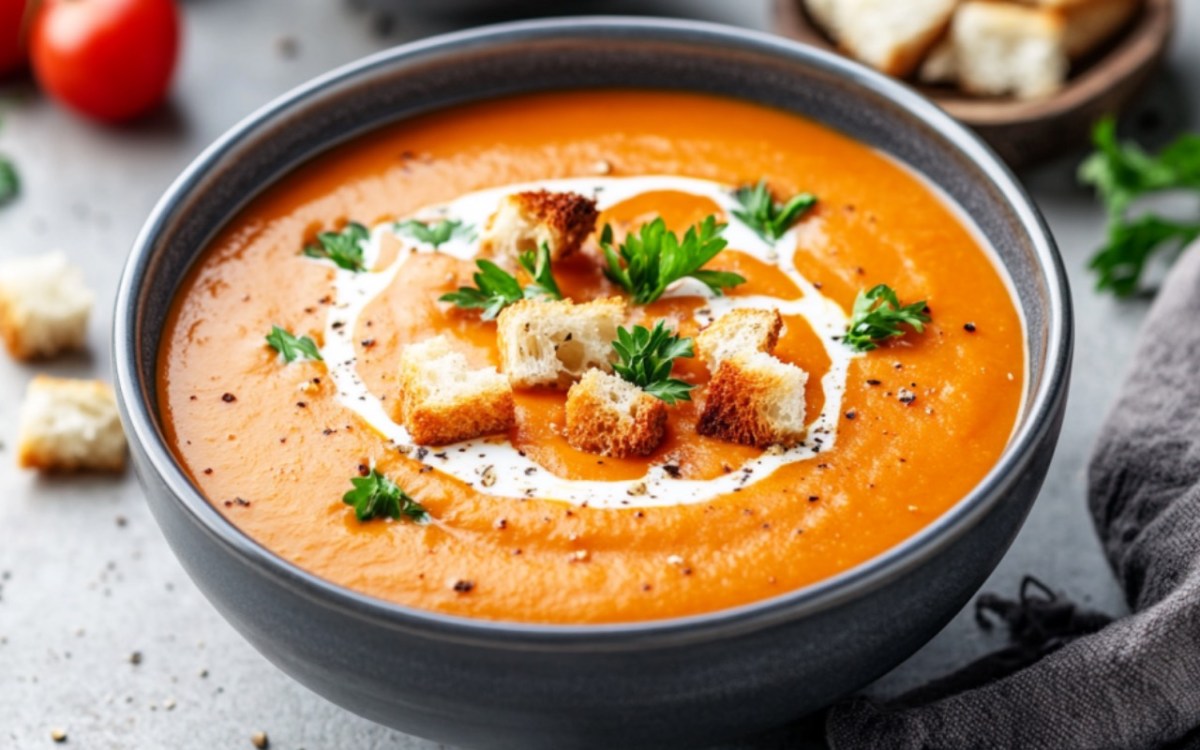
[1042, 406]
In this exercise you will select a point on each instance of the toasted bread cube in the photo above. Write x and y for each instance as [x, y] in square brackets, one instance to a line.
[526, 221]
[443, 400]
[890, 36]
[1087, 25]
[738, 331]
[755, 399]
[70, 425]
[941, 64]
[553, 343]
[44, 306]
[613, 417]
[1009, 49]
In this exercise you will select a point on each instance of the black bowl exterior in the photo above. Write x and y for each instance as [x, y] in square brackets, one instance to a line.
[675, 682]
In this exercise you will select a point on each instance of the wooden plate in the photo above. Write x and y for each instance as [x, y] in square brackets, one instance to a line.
[1024, 132]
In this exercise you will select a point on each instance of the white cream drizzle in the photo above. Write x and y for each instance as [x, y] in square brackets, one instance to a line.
[512, 474]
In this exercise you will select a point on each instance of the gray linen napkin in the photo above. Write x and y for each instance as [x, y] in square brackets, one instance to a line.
[1135, 683]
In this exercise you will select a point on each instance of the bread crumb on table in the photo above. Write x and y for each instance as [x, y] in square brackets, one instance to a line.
[44, 306]
[70, 425]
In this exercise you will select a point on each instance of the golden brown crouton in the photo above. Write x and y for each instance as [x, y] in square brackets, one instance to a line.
[1027, 51]
[70, 425]
[552, 343]
[442, 400]
[755, 399]
[44, 306]
[890, 36]
[613, 417]
[738, 331]
[526, 221]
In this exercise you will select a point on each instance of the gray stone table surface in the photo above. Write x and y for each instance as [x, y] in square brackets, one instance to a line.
[86, 579]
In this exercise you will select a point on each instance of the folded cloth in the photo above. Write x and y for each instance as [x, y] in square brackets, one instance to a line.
[1133, 684]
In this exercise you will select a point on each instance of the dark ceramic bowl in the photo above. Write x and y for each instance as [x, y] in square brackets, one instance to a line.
[686, 681]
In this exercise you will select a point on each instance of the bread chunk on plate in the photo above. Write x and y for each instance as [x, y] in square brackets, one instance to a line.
[738, 331]
[890, 36]
[443, 400]
[44, 306]
[610, 416]
[1027, 51]
[70, 425]
[755, 399]
[553, 343]
[525, 221]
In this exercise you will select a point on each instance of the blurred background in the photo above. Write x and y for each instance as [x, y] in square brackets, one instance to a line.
[102, 634]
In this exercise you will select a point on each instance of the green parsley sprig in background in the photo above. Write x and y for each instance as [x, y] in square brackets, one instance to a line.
[292, 347]
[344, 248]
[653, 258]
[878, 316]
[435, 233]
[496, 289]
[646, 358]
[10, 181]
[769, 219]
[376, 496]
[1123, 172]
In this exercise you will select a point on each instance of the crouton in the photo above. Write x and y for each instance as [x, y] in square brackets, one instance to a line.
[44, 306]
[553, 343]
[1087, 25]
[889, 36]
[738, 331]
[1009, 49]
[70, 425]
[755, 399]
[526, 221]
[1025, 50]
[442, 400]
[613, 417]
[941, 64]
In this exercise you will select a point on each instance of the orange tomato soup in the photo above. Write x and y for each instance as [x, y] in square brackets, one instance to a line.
[273, 448]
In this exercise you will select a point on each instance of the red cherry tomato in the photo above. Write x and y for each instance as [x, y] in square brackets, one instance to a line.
[12, 46]
[108, 59]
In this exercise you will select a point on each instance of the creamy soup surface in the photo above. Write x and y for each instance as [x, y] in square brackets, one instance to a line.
[522, 526]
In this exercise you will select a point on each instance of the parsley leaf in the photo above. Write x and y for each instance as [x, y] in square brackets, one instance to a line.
[1123, 172]
[292, 347]
[646, 358]
[435, 233]
[878, 315]
[770, 220]
[496, 289]
[10, 183]
[648, 262]
[376, 496]
[1131, 244]
[344, 248]
[538, 269]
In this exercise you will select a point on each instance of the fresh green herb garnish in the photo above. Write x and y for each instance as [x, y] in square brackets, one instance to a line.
[1123, 172]
[878, 315]
[648, 262]
[10, 183]
[646, 358]
[344, 248]
[770, 220]
[496, 289]
[292, 347]
[376, 496]
[538, 267]
[435, 234]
